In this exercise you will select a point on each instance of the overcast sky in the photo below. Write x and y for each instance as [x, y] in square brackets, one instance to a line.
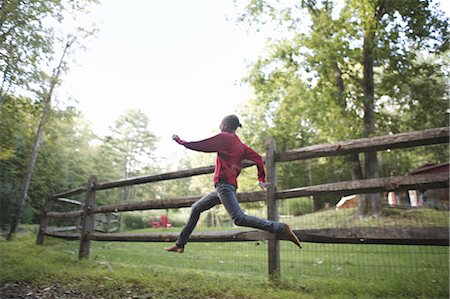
[180, 62]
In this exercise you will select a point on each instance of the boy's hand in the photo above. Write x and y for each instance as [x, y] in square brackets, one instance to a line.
[264, 185]
[177, 139]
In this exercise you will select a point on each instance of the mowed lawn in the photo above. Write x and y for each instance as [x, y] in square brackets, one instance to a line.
[229, 270]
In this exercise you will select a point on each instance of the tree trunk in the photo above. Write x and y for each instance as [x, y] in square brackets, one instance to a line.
[370, 204]
[357, 173]
[37, 143]
[353, 159]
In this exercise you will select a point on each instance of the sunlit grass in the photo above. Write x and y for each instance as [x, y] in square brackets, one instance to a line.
[239, 269]
[229, 270]
[392, 217]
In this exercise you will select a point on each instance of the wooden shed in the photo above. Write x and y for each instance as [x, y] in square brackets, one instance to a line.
[346, 202]
[435, 198]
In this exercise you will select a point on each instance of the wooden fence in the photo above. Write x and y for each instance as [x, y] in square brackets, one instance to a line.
[406, 236]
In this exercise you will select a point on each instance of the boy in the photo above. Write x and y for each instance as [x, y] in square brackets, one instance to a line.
[230, 154]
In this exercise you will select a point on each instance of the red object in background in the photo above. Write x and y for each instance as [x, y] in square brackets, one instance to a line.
[163, 223]
[154, 223]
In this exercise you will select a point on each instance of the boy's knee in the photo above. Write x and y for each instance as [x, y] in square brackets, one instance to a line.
[196, 209]
[239, 220]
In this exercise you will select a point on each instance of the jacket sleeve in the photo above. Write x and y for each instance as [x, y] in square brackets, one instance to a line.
[213, 144]
[253, 156]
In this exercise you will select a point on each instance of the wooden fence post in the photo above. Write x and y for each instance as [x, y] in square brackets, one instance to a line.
[272, 210]
[44, 220]
[88, 219]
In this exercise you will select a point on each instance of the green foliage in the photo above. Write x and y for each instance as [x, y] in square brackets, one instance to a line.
[423, 101]
[133, 221]
[401, 161]
[68, 156]
[130, 145]
[309, 82]
[130, 141]
[28, 39]
[59, 164]
[28, 46]
[17, 117]
[296, 206]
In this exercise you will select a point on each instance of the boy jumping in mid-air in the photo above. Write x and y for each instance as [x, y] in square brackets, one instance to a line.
[230, 154]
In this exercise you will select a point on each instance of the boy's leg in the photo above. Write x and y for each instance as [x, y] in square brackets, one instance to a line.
[227, 195]
[205, 203]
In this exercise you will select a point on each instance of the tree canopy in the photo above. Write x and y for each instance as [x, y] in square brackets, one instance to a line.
[365, 68]
[29, 39]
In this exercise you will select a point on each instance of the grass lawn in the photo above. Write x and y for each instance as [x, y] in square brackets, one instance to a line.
[227, 270]
[393, 217]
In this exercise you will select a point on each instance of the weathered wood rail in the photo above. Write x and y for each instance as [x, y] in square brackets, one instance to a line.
[403, 140]
[431, 181]
[403, 236]
[378, 143]
[368, 235]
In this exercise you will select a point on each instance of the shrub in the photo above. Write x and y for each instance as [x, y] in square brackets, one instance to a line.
[132, 221]
[296, 206]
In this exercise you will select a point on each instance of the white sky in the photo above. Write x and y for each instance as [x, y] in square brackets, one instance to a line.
[180, 62]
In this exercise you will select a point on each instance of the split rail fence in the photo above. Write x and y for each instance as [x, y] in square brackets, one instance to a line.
[438, 236]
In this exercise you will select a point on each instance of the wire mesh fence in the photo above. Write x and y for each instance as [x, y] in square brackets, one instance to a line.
[356, 261]
[317, 259]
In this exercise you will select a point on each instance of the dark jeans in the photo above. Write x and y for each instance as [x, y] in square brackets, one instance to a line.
[225, 194]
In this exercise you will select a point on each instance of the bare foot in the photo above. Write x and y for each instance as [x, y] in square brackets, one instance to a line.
[174, 248]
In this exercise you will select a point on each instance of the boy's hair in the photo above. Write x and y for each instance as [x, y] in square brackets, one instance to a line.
[230, 123]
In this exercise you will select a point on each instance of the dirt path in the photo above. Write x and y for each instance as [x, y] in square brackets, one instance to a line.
[24, 290]
[16, 290]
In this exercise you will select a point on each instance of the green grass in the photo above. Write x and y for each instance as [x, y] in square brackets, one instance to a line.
[229, 270]
[392, 217]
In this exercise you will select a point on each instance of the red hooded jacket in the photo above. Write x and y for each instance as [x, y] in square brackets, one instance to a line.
[230, 154]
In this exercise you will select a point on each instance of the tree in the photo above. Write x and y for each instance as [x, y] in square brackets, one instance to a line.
[131, 143]
[27, 48]
[331, 73]
[66, 157]
[17, 117]
[47, 96]
[27, 39]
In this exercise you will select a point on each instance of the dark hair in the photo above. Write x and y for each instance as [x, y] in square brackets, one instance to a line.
[230, 123]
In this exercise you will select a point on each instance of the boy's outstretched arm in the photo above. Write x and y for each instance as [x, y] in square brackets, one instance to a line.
[209, 145]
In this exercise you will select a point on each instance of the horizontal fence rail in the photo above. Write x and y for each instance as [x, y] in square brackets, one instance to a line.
[403, 140]
[146, 179]
[439, 180]
[155, 204]
[366, 235]
[398, 183]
